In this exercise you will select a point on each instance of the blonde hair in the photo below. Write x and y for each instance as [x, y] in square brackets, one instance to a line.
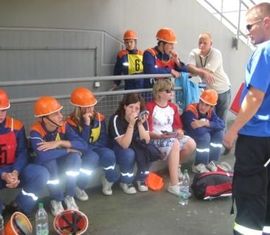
[161, 85]
[260, 10]
[205, 35]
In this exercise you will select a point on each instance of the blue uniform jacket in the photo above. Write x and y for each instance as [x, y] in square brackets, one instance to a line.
[150, 58]
[121, 69]
[21, 150]
[39, 133]
[95, 134]
[192, 113]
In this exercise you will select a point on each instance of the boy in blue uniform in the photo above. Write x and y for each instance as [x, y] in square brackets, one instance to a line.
[252, 126]
[58, 148]
[14, 170]
[129, 61]
[163, 59]
[206, 128]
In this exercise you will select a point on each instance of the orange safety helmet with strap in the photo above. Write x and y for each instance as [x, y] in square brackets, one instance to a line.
[18, 224]
[130, 35]
[82, 97]
[46, 105]
[209, 97]
[4, 100]
[166, 35]
[70, 222]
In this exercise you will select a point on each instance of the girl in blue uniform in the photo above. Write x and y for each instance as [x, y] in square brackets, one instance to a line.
[207, 129]
[126, 128]
[91, 126]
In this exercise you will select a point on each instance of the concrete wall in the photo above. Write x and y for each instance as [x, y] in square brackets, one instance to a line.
[187, 17]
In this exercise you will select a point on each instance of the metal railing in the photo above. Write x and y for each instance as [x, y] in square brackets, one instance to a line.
[108, 100]
[236, 26]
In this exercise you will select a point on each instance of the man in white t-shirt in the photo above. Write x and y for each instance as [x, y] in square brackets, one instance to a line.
[210, 59]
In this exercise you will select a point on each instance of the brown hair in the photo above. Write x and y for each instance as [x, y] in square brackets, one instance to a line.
[128, 99]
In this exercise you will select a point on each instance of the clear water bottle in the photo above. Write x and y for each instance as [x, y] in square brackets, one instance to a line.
[41, 219]
[2, 225]
[184, 189]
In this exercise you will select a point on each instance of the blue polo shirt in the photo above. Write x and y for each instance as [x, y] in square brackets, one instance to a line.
[258, 76]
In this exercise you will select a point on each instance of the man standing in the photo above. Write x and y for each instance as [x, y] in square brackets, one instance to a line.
[252, 125]
[210, 59]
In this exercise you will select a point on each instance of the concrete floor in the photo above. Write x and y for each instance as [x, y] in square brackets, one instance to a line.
[155, 213]
[152, 213]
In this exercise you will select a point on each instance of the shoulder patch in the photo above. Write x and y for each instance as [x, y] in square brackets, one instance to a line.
[71, 122]
[192, 108]
[17, 124]
[140, 52]
[38, 128]
[152, 51]
[122, 53]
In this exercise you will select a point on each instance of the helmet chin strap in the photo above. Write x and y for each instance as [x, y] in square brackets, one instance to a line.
[51, 121]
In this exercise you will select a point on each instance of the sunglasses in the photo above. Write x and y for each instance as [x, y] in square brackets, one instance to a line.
[167, 90]
[249, 26]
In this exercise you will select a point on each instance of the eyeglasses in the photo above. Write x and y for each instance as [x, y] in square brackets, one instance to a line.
[249, 26]
[167, 90]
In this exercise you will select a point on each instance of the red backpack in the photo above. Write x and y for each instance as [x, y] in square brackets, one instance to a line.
[211, 185]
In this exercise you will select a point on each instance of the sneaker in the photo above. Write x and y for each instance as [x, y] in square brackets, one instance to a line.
[70, 203]
[211, 166]
[81, 194]
[142, 186]
[106, 186]
[128, 188]
[56, 207]
[174, 189]
[200, 168]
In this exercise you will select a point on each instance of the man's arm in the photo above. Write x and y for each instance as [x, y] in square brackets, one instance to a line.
[203, 73]
[249, 107]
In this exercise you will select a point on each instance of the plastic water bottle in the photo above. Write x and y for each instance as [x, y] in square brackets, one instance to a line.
[41, 219]
[184, 189]
[2, 225]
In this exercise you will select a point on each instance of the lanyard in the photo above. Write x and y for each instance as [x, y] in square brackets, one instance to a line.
[203, 64]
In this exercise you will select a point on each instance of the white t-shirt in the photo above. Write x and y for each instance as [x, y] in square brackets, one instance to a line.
[214, 63]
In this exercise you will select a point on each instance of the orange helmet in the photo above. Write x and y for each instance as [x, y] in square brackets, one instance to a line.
[166, 35]
[82, 97]
[46, 105]
[154, 181]
[18, 224]
[70, 222]
[4, 100]
[130, 34]
[209, 96]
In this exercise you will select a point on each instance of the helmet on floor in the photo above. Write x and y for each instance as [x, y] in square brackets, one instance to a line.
[18, 224]
[4, 100]
[46, 105]
[166, 35]
[209, 96]
[154, 181]
[70, 222]
[82, 97]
